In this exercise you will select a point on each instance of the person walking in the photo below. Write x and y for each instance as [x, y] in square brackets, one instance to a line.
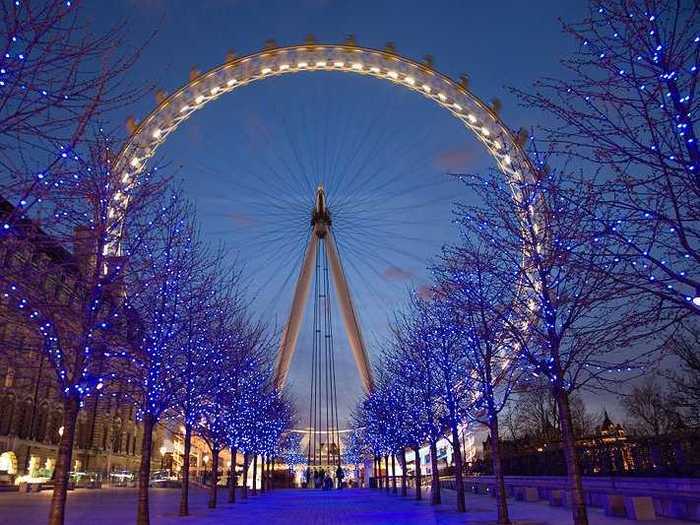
[339, 475]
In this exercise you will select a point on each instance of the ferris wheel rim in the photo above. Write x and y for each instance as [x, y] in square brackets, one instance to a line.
[150, 133]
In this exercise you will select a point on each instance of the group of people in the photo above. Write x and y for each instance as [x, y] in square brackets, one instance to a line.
[321, 478]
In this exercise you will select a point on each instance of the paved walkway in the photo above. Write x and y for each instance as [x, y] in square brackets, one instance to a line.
[296, 507]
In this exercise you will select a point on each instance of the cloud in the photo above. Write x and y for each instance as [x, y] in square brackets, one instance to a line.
[425, 292]
[394, 273]
[454, 159]
[241, 219]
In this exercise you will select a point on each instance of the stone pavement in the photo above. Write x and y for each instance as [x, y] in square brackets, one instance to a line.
[282, 507]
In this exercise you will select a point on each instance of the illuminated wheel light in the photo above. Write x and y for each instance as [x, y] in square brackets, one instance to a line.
[426, 88]
[374, 69]
[457, 106]
[410, 80]
[284, 67]
[199, 99]
[265, 70]
[506, 159]
[357, 65]
[321, 64]
[126, 178]
[135, 162]
[485, 131]
[302, 64]
[184, 108]
[392, 74]
[442, 97]
[231, 82]
[338, 64]
[471, 118]
[497, 145]
[214, 90]
[156, 133]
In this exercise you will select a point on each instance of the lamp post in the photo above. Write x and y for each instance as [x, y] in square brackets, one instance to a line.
[206, 460]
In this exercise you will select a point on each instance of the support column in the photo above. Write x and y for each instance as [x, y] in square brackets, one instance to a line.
[290, 335]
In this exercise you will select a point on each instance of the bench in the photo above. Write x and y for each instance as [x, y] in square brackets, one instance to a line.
[527, 494]
[640, 508]
[558, 498]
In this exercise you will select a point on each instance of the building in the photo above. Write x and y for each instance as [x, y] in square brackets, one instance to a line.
[108, 434]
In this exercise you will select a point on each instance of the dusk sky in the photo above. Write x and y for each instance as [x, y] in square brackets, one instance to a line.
[251, 159]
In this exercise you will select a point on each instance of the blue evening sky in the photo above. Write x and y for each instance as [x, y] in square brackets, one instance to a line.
[251, 159]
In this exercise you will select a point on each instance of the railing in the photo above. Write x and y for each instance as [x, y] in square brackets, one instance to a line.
[672, 497]
[664, 456]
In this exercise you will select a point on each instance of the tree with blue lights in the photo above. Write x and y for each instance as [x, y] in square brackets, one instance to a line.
[574, 324]
[628, 110]
[440, 331]
[481, 306]
[165, 280]
[408, 360]
[76, 301]
[58, 79]
[206, 336]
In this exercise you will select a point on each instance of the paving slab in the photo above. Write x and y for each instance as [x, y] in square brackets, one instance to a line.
[284, 506]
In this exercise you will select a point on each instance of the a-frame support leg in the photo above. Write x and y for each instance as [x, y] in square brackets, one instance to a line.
[288, 343]
[352, 326]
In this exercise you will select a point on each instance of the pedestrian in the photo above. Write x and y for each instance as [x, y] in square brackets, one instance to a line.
[339, 475]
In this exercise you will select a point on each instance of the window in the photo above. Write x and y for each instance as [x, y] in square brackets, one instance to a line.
[7, 409]
[42, 423]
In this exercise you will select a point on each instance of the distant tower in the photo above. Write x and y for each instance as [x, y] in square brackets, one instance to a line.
[322, 232]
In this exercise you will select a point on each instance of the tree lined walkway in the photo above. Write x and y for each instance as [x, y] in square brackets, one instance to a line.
[282, 507]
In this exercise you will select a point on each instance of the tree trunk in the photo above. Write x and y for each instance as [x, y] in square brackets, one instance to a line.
[386, 473]
[213, 490]
[255, 475]
[263, 473]
[185, 489]
[573, 469]
[419, 480]
[404, 490]
[142, 513]
[435, 498]
[232, 482]
[270, 470]
[377, 473]
[246, 462]
[459, 483]
[64, 456]
[501, 501]
[393, 474]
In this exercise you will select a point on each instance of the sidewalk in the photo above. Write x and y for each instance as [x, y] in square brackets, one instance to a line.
[284, 507]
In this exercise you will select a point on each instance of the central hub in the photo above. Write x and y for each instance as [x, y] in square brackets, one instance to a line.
[320, 215]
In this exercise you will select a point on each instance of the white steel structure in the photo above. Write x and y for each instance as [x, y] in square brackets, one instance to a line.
[322, 232]
[478, 119]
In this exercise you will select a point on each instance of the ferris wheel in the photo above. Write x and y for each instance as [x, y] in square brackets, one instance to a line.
[318, 225]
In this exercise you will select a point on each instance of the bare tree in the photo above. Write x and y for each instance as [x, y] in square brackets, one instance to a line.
[478, 306]
[684, 346]
[409, 362]
[628, 108]
[650, 409]
[573, 321]
[79, 314]
[165, 278]
[57, 80]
